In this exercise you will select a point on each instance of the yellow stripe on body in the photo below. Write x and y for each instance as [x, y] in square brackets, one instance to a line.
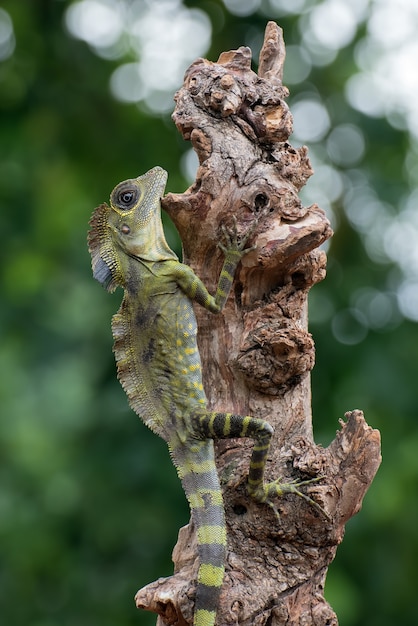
[211, 575]
[202, 617]
[194, 285]
[197, 499]
[184, 469]
[227, 425]
[226, 274]
[221, 293]
[259, 447]
[208, 419]
[258, 464]
[253, 482]
[211, 534]
[245, 423]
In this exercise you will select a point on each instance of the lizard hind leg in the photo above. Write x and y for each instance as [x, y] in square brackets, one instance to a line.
[228, 425]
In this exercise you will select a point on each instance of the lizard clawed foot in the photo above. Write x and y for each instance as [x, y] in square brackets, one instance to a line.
[235, 243]
[266, 492]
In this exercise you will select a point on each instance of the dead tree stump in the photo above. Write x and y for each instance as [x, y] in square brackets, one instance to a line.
[257, 356]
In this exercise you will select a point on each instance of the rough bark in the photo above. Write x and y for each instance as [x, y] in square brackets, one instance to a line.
[258, 354]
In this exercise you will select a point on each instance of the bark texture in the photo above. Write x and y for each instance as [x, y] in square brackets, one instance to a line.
[257, 356]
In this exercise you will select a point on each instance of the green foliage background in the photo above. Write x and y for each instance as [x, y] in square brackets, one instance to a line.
[89, 502]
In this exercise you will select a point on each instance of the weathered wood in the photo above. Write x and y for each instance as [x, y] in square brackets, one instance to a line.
[258, 354]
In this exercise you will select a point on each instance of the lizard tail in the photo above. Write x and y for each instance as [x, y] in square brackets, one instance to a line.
[197, 470]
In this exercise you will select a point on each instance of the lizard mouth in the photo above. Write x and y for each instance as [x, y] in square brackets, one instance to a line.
[157, 178]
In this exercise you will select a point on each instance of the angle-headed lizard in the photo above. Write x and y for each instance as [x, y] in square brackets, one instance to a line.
[159, 366]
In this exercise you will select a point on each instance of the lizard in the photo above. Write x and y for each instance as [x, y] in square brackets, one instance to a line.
[159, 367]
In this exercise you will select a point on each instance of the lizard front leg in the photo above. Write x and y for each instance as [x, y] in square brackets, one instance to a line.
[234, 249]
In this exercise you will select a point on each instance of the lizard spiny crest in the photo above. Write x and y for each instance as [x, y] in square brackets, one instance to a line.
[104, 260]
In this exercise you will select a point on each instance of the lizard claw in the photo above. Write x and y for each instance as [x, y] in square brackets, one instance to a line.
[265, 493]
[234, 242]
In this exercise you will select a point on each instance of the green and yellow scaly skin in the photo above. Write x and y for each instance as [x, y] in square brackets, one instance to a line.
[159, 367]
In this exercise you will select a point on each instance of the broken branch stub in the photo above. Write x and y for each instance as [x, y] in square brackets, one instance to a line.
[257, 356]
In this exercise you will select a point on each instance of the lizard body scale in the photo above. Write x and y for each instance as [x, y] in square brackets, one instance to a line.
[159, 367]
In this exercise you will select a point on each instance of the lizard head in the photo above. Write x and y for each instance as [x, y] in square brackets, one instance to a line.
[129, 228]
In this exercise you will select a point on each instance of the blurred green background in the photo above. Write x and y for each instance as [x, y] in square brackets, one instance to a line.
[89, 502]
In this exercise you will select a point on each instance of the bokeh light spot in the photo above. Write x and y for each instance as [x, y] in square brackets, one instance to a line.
[297, 66]
[7, 38]
[333, 24]
[99, 23]
[285, 7]
[346, 145]
[408, 298]
[311, 120]
[387, 84]
[125, 83]
[189, 164]
[363, 91]
[378, 307]
[349, 326]
[238, 7]
[160, 38]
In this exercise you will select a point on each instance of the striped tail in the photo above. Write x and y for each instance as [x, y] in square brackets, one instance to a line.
[197, 470]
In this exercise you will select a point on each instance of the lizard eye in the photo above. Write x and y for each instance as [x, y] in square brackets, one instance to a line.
[126, 197]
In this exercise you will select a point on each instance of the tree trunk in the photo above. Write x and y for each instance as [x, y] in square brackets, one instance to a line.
[258, 354]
